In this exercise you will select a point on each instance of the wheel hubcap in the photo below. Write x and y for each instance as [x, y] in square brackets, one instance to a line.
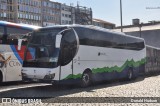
[130, 75]
[86, 78]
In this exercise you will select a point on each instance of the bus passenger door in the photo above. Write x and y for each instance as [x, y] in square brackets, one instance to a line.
[69, 48]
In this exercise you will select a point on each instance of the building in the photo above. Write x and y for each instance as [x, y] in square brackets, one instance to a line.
[21, 11]
[66, 12]
[103, 24]
[34, 12]
[149, 31]
[28, 11]
[51, 13]
[43, 12]
[7, 10]
[81, 15]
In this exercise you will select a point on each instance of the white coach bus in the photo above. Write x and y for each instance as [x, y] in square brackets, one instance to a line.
[11, 56]
[74, 53]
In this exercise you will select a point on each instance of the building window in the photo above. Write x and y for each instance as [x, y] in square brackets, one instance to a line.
[62, 8]
[4, 14]
[66, 22]
[44, 3]
[62, 21]
[49, 4]
[20, 15]
[27, 2]
[53, 5]
[31, 16]
[4, 6]
[26, 16]
[58, 6]
[27, 9]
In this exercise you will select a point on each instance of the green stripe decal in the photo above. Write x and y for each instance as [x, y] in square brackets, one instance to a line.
[73, 76]
[128, 63]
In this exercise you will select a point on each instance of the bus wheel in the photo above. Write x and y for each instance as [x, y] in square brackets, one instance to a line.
[86, 79]
[130, 74]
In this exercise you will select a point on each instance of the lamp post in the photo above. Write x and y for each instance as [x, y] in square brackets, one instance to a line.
[140, 30]
[121, 15]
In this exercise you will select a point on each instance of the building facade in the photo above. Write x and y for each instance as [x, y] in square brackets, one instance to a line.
[66, 13]
[76, 15]
[28, 12]
[21, 11]
[81, 15]
[7, 10]
[44, 13]
[103, 24]
[51, 13]
[34, 12]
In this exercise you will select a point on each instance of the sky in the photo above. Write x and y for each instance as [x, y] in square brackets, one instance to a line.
[109, 10]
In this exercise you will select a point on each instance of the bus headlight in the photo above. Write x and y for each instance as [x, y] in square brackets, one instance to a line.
[49, 76]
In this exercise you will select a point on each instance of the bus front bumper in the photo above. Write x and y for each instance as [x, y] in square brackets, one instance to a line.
[47, 78]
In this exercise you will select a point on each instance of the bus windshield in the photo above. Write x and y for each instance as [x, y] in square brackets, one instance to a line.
[42, 48]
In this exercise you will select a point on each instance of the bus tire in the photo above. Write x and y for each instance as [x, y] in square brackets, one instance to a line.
[130, 74]
[86, 79]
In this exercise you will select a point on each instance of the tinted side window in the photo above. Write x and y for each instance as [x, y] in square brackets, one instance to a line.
[13, 30]
[13, 34]
[68, 47]
[36, 39]
[104, 39]
[119, 41]
[47, 39]
[1, 33]
[93, 37]
[1, 30]
[86, 36]
[140, 45]
[134, 44]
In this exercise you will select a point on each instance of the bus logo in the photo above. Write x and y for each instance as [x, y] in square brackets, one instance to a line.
[3, 61]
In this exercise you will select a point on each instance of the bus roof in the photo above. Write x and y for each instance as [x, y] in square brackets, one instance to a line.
[91, 27]
[23, 26]
[152, 47]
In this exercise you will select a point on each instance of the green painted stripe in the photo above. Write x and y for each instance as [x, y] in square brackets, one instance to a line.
[128, 63]
[73, 76]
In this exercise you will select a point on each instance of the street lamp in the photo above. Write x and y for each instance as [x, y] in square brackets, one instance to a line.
[121, 15]
[140, 30]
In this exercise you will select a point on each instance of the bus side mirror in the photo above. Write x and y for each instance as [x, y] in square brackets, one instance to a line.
[19, 43]
[58, 40]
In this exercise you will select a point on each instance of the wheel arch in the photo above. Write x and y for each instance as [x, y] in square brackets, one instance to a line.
[87, 70]
[86, 79]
